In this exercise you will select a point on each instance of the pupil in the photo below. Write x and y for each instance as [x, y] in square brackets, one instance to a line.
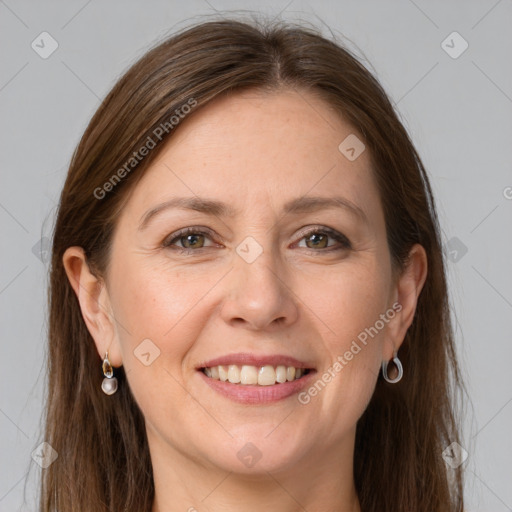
[315, 236]
[191, 237]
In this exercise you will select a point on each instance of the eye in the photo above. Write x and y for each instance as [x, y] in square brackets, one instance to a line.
[191, 238]
[317, 238]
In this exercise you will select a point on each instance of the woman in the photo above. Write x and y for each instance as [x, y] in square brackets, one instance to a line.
[248, 303]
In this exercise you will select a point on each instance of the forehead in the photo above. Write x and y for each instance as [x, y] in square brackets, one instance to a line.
[259, 149]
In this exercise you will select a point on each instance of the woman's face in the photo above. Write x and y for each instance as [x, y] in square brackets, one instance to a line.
[286, 265]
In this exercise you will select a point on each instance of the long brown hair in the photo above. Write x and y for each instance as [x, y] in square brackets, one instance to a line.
[103, 462]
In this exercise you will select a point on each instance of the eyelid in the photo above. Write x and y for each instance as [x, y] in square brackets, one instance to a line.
[186, 231]
[333, 233]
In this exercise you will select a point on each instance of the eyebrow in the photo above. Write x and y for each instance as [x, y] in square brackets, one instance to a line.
[305, 204]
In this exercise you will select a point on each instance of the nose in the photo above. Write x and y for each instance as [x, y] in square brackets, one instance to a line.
[259, 294]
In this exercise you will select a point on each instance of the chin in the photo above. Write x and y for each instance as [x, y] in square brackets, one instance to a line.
[259, 452]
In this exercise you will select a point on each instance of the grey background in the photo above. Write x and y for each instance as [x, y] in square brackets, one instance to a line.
[458, 111]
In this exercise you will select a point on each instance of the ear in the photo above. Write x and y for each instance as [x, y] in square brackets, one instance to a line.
[94, 302]
[407, 290]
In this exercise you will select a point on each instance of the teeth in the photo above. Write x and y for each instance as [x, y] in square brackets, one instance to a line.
[249, 375]
[252, 375]
[234, 374]
[223, 373]
[266, 376]
[280, 374]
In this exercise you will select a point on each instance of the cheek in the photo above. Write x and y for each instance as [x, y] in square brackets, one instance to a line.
[350, 299]
[156, 328]
[348, 309]
[154, 300]
[160, 311]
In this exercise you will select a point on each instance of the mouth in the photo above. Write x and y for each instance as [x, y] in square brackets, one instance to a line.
[249, 375]
[251, 379]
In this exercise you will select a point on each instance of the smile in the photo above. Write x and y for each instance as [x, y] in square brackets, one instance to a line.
[245, 375]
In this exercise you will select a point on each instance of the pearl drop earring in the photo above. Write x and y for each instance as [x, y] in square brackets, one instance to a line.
[109, 384]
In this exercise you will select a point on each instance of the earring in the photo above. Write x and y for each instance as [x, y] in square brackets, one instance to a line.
[109, 384]
[400, 369]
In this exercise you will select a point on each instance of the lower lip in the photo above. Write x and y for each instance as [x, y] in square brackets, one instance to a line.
[249, 394]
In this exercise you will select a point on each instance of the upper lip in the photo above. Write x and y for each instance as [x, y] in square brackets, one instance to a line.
[244, 358]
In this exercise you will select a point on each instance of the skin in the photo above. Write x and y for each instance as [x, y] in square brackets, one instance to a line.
[293, 299]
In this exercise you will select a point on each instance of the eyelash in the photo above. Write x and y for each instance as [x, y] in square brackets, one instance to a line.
[342, 239]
